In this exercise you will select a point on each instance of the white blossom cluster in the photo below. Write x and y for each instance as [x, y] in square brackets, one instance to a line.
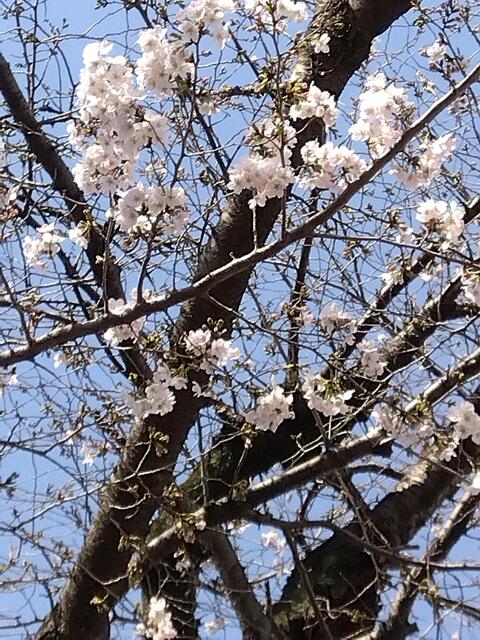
[108, 111]
[46, 242]
[466, 421]
[266, 172]
[213, 352]
[266, 177]
[429, 164]
[59, 360]
[321, 395]
[316, 104]
[279, 11]
[161, 61]
[92, 449]
[89, 452]
[471, 286]
[322, 44]
[330, 167]
[142, 207]
[380, 107]
[121, 333]
[446, 218]
[332, 319]
[159, 397]
[205, 15]
[413, 431]
[372, 360]
[435, 53]
[409, 433]
[271, 410]
[405, 234]
[269, 175]
[158, 623]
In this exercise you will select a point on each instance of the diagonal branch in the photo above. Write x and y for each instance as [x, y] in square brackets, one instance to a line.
[220, 280]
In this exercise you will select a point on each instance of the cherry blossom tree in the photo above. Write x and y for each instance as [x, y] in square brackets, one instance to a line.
[240, 290]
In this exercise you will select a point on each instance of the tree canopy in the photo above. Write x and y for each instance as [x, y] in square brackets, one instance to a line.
[239, 302]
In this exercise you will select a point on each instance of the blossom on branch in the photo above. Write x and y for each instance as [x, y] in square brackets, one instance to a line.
[45, 243]
[271, 410]
[158, 624]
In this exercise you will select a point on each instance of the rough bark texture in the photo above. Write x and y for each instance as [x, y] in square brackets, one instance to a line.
[99, 576]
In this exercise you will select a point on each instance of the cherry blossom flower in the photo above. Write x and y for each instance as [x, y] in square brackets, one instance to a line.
[405, 235]
[332, 318]
[380, 107]
[429, 164]
[321, 44]
[449, 450]
[161, 61]
[215, 625]
[306, 316]
[386, 419]
[330, 167]
[266, 170]
[466, 421]
[143, 208]
[198, 341]
[207, 106]
[321, 396]
[278, 10]
[271, 410]
[444, 217]
[273, 136]
[89, 453]
[110, 131]
[158, 623]
[78, 236]
[45, 243]
[266, 177]
[121, 333]
[205, 15]
[213, 352]
[372, 361]
[435, 52]
[59, 360]
[316, 104]
[410, 433]
[159, 397]
[393, 275]
[206, 392]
